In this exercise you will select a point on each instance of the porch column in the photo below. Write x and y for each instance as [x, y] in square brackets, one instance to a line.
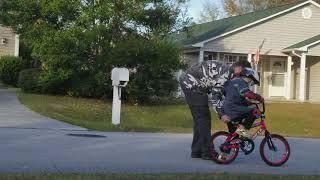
[218, 56]
[288, 91]
[249, 58]
[255, 90]
[201, 55]
[16, 47]
[302, 89]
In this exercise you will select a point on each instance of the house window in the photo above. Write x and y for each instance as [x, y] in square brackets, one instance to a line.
[210, 56]
[230, 58]
[243, 58]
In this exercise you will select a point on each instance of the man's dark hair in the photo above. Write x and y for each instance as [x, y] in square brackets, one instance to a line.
[243, 63]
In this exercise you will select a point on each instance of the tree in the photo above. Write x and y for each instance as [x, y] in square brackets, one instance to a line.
[79, 41]
[210, 12]
[238, 7]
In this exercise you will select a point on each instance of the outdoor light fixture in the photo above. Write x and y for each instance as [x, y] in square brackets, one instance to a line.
[4, 41]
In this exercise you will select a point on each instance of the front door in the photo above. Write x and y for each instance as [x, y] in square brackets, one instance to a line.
[277, 78]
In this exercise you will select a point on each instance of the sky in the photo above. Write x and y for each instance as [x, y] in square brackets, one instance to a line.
[195, 7]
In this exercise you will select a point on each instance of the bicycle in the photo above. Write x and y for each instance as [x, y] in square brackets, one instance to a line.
[231, 143]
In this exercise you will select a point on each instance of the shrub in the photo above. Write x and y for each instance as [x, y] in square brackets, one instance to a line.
[29, 80]
[83, 86]
[10, 68]
[55, 82]
[96, 85]
[153, 65]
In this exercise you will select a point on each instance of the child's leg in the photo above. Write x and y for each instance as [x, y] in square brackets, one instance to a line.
[232, 128]
[246, 121]
[250, 118]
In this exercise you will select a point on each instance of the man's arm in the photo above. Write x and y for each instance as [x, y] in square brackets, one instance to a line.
[217, 102]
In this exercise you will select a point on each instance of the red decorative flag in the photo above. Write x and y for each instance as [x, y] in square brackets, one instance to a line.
[256, 57]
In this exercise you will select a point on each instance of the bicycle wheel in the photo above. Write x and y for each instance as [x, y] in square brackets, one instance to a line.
[275, 150]
[216, 144]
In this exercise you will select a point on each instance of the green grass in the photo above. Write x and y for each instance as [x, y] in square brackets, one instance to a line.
[290, 119]
[158, 177]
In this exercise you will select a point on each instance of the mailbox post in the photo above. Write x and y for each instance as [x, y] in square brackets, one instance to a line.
[120, 78]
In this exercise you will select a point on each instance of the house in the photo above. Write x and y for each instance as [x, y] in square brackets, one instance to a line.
[9, 42]
[289, 38]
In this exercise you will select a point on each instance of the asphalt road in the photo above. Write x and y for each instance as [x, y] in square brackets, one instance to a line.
[31, 143]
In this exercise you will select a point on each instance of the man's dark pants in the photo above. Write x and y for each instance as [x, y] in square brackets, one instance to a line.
[198, 104]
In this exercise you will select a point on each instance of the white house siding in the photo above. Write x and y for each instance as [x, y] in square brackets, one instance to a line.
[315, 50]
[313, 82]
[9, 47]
[279, 33]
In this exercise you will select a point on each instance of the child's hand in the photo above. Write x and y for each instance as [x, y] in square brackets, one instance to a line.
[225, 118]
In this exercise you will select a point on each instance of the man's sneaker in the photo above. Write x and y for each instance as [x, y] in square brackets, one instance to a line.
[195, 155]
[243, 132]
[222, 156]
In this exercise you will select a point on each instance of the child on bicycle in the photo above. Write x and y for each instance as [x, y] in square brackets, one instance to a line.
[239, 97]
[218, 92]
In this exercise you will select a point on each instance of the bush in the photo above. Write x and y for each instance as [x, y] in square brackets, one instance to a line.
[10, 68]
[29, 80]
[153, 65]
[55, 82]
[96, 86]
[83, 86]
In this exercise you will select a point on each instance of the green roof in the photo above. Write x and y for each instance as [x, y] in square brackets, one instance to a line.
[304, 43]
[202, 32]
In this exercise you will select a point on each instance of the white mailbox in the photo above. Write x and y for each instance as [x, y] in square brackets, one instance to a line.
[120, 78]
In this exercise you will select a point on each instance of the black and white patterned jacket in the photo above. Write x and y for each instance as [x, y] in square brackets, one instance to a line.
[205, 76]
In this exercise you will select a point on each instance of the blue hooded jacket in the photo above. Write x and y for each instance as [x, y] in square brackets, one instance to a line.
[234, 104]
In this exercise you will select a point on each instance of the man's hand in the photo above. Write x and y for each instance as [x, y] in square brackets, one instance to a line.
[225, 118]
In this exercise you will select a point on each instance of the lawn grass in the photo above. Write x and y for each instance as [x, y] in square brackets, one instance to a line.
[158, 177]
[290, 119]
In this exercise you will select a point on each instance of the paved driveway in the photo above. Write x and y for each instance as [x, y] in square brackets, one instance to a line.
[13, 114]
[31, 143]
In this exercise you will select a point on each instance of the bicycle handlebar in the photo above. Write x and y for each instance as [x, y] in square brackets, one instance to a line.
[263, 107]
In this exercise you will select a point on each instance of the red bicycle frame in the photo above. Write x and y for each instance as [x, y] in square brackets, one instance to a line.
[263, 129]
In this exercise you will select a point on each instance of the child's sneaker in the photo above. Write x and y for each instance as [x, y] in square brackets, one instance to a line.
[222, 156]
[243, 132]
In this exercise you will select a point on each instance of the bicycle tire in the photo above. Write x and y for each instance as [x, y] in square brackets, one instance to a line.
[214, 154]
[286, 156]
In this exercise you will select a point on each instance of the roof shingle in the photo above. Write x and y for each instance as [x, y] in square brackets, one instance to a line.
[304, 43]
[201, 32]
